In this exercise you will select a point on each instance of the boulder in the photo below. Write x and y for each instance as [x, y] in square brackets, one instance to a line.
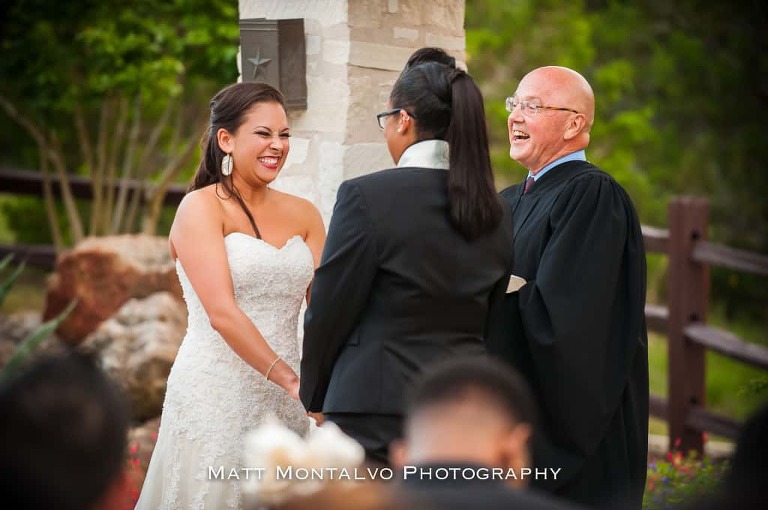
[103, 273]
[137, 347]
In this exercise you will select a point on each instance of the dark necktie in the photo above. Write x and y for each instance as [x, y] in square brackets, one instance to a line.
[528, 184]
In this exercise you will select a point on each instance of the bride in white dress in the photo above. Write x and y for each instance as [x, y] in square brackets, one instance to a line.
[245, 256]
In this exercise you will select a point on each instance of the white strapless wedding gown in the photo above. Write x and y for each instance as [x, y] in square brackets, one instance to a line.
[214, 398]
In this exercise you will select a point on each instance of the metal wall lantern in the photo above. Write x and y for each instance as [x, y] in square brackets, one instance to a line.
[273, 51]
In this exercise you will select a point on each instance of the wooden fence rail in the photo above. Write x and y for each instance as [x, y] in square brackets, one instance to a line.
[683, 320]
[24, 182]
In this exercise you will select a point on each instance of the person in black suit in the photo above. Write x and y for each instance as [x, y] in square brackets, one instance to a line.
[466, 439]
[412, 258]
[576, 328]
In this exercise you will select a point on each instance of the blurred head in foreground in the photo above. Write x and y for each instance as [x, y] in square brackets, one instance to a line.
[472, 411]
[63, 429]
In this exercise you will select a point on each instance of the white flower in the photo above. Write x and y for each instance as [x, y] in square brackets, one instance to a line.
[331, 447]
[272, 446]
[268, 446]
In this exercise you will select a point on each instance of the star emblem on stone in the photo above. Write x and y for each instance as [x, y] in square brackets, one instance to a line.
[259, 63]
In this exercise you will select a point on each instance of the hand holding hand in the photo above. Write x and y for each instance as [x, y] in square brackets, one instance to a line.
[318, 417]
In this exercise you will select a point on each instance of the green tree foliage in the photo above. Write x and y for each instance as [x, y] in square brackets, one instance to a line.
[681, 95]
[116, 90]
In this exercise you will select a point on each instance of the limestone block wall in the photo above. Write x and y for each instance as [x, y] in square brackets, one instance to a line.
[355, 52]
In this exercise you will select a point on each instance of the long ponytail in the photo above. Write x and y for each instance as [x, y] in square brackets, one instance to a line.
[447, 105]
[475, 205]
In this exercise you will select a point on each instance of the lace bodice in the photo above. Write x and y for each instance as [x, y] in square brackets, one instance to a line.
[213, 397]
[268, 288]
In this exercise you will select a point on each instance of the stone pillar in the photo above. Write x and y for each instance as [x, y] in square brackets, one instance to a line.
[355, 52]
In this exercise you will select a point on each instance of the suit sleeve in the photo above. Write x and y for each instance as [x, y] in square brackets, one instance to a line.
[583, 316]
[339, 294]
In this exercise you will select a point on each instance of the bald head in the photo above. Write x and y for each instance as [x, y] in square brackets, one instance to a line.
[567, 87]
[562, 128]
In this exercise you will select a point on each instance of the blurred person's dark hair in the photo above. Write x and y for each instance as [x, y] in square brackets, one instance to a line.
[63, 434]
[465, 415]
[476, 411]
[482, 379]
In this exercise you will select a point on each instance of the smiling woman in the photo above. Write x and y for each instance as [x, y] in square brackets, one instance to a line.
[245, 256]
[258, 147]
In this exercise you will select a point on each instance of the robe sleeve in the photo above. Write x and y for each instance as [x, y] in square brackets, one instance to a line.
[339, 293]
[583, 314]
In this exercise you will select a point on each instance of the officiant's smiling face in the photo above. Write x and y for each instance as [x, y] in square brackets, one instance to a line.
[535, 139]
[561, 123]
[260, 144]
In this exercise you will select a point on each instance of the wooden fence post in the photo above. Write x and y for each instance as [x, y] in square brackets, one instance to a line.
[688, 298]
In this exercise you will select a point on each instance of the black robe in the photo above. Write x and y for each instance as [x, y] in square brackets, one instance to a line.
[577, 331]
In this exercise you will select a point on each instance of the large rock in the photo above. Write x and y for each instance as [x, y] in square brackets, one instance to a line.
[103, 273]
[137, 347]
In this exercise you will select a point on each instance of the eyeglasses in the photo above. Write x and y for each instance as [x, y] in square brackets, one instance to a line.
[380, 116]
[531, 107]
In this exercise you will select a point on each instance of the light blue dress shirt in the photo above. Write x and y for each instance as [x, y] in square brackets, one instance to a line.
[579, 155]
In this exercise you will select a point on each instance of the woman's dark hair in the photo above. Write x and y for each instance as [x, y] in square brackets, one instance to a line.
[447, 105]
[429, 54]
[228, 109]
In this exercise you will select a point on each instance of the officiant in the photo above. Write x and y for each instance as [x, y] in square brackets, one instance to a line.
[576, 326]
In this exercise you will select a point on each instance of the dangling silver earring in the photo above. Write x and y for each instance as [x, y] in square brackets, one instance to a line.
[226, 165]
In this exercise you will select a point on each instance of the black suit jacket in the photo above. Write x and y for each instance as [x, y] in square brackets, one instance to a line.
[398, 288]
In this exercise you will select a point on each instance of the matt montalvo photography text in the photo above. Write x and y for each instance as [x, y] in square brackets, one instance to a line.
[371, 473]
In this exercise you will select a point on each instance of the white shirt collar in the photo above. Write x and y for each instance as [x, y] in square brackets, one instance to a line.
[426, 154]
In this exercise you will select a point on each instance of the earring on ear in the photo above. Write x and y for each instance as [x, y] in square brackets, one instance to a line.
[405, 118]
[226, 165]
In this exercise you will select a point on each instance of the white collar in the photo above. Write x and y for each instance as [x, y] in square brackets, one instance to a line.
[426, 154]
